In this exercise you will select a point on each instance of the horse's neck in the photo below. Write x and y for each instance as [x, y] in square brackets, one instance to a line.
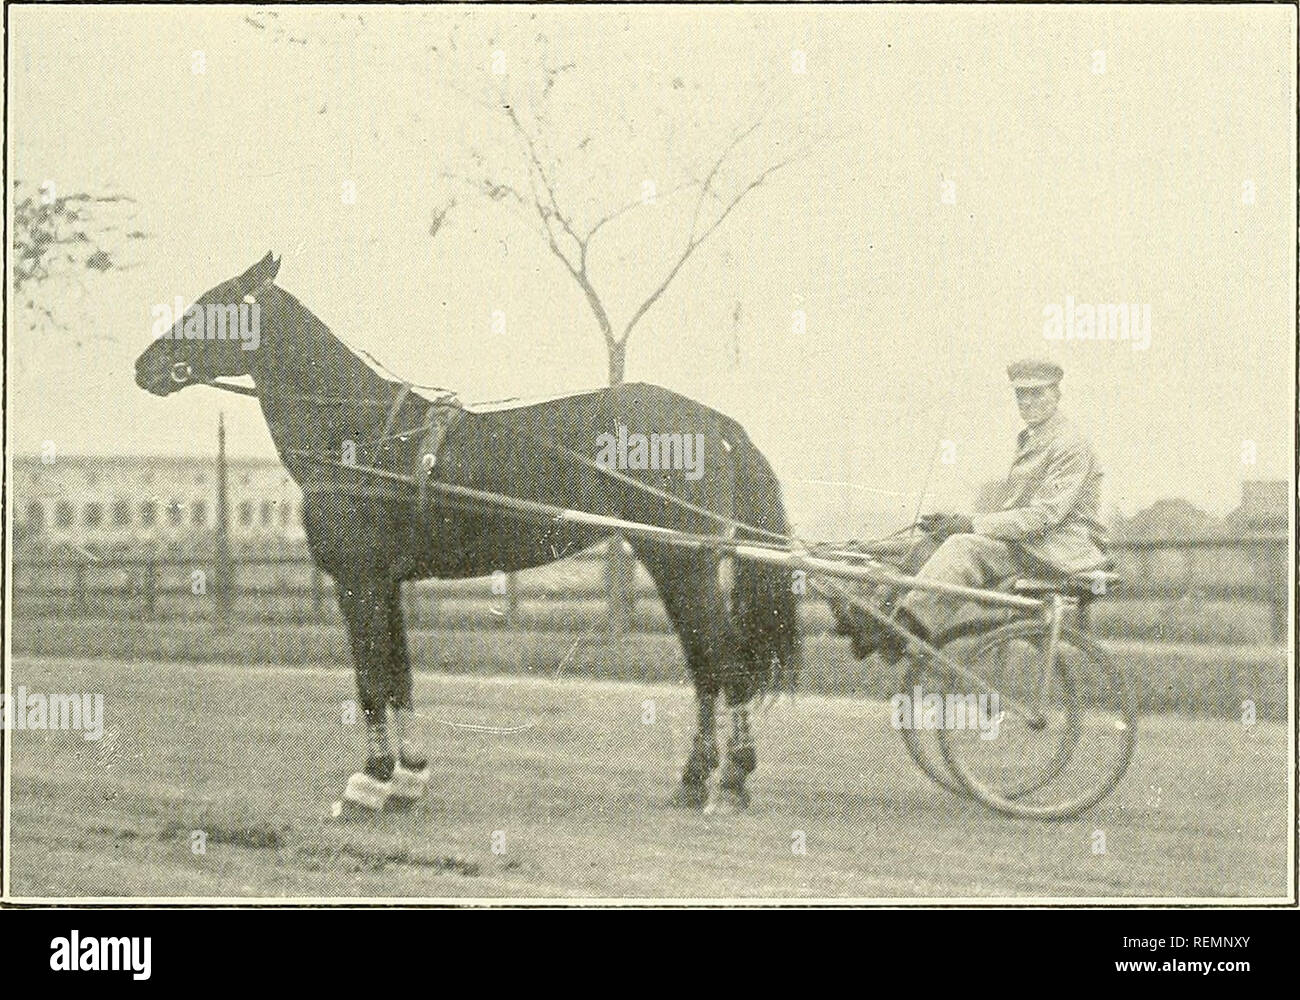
[304, 367]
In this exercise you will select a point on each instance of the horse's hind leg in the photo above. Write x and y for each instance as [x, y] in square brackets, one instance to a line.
[687, 587]
[693, 791]
[731, 794]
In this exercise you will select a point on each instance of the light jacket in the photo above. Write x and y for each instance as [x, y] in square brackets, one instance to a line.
[1050, 501]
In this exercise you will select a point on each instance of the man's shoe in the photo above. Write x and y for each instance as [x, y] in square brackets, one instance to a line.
[851, 622]
[893, 647]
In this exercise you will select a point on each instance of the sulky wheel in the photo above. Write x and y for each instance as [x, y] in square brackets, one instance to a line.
[1038, 750]
[930, 678]
[923, 744]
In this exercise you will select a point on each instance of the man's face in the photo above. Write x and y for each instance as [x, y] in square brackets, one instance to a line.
[1037, 403]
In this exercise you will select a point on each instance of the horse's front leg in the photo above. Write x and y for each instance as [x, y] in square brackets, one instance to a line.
[363, 603]
[411, 773]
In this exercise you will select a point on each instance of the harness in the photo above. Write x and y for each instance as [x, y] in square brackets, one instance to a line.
[441, 415]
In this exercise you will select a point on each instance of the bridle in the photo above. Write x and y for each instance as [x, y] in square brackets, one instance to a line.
[182, 372]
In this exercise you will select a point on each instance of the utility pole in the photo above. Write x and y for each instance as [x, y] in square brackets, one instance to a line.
[223, 570]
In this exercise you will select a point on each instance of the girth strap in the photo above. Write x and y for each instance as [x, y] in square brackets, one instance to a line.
[442, 416]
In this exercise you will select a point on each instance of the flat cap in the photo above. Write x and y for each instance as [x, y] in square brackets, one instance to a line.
[1031, 373]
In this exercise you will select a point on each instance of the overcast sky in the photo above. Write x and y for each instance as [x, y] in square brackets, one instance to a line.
[1119, 177]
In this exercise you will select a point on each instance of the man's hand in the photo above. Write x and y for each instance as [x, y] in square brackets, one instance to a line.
[940, 526]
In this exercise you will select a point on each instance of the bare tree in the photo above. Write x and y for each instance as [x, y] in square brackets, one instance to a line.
[567, 175]
[537, 173]
[548, 213]
[570, 243]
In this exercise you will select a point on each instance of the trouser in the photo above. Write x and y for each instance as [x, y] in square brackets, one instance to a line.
[970, 560]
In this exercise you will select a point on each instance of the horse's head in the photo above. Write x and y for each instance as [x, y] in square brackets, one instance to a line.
[215, 337]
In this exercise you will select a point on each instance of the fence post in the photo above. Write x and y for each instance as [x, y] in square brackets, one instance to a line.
[1144, 566]
[1274, 579]
[1279, 614]
[81, 589]
[620, 591]
[223, 591]
[316, 595]
[512, 600]
[412, 605]
[151, 590]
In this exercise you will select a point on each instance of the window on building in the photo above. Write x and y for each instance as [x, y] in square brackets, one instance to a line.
[174, 513]
[286, 508]
[121, 514]
[266, 512]
[199, 514]
[148, 513]
[64, 515]
[35, 517]
[245, 513]
[93, 515]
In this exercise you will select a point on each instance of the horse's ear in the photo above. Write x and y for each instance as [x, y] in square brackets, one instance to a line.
[263, 271]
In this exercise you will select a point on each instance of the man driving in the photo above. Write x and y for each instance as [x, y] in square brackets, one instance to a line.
[1047, 523]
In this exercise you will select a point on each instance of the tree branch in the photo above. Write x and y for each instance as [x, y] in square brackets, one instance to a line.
[635, 203]
[713, 173]
[695, 241]
[498, 193]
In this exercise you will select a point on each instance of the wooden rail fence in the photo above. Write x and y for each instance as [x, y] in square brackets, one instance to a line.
[1239, 568]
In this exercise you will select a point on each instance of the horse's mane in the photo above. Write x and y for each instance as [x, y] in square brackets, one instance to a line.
[304, 351]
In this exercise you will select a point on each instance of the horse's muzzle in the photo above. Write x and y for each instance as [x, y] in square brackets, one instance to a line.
[162, 381]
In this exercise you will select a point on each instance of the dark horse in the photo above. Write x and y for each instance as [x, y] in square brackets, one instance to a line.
[328, 411]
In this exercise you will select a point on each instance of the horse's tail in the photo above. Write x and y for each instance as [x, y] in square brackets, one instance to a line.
[764, 595]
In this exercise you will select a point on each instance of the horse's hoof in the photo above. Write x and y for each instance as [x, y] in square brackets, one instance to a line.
[688, 796]
[408, 786]
[727, 802]
[365, 792]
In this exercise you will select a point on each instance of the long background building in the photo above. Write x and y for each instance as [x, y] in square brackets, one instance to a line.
[160, 504]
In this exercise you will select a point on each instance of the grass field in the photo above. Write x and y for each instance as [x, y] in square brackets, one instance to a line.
[1191, 678]
[250, 758]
